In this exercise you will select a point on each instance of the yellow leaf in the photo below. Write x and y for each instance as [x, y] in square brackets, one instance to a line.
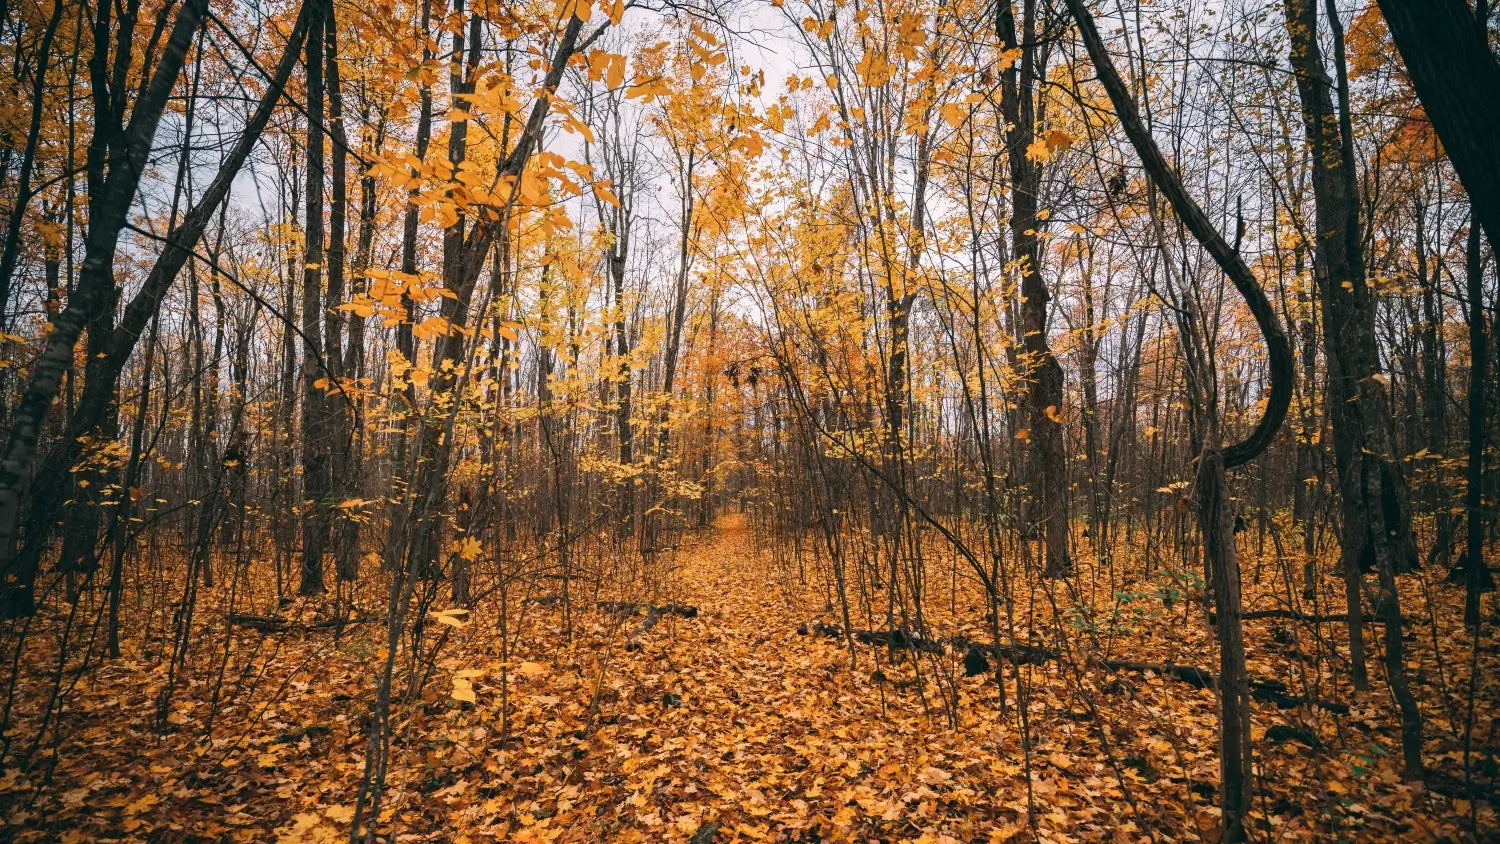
[935, 776]
[581, 9]
[452, 618]
[874, 69]
[614, 76]
[340, 814]
[953, 114]
[146, 801]
[433, 326]
[463, 690]
[605, 194]
[532, 670]
[1023, 434]
[362, 307]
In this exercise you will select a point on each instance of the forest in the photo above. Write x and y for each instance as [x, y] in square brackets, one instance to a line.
[701, 421]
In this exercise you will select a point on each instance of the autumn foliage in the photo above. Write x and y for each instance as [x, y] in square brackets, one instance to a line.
[789, 420]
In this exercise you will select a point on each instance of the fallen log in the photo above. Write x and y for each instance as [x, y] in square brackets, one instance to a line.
[1018, 653]
[547, 600]
[654, 613]
[277, 624]
[631, 608]
[1306, 618]
[1268, 691]
[1197, 677]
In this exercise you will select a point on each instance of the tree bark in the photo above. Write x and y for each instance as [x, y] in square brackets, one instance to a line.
[344, 446]
[1375, 505]
[1455, 74]
[1047, 458]
[1477, 578]
[1234, 748]
[315, 386]
[93, 294]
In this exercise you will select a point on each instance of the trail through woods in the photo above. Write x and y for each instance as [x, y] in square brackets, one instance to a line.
[729, 726]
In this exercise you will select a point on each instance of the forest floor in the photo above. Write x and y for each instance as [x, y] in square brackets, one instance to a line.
[730, 726]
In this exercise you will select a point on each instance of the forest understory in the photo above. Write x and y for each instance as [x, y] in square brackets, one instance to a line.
[749, 420]
[743, 723]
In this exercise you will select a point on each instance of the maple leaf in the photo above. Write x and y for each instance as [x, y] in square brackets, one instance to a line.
[954, 114]
[934, 776]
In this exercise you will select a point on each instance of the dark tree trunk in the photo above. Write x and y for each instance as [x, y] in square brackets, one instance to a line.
[1235, 795]
[1047, 458]
[1477, 578]
[316, 480]
[343, 482]
[1376, 509]
[397, 529]
[1455, 74]
[11, 249]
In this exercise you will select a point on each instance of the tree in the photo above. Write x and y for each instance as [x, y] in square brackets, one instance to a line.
[1022, 106]
[1214, 519]
[1446, 51]
[1374, 498]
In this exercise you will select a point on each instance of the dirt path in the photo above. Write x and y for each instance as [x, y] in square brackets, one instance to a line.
[767, 735]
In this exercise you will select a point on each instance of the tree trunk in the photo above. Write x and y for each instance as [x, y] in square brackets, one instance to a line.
[398, 507]
[1217, 527]
[343, 483]
[94, 294]
[315, 386]
[1375, 506]
[1477, 573]
[1455, 74]
[1234, 747]
[1047, 464]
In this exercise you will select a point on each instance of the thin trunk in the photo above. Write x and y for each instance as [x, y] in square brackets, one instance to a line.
[1234, 750]
[11, 249]
[1478, 576]
[343, 482]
